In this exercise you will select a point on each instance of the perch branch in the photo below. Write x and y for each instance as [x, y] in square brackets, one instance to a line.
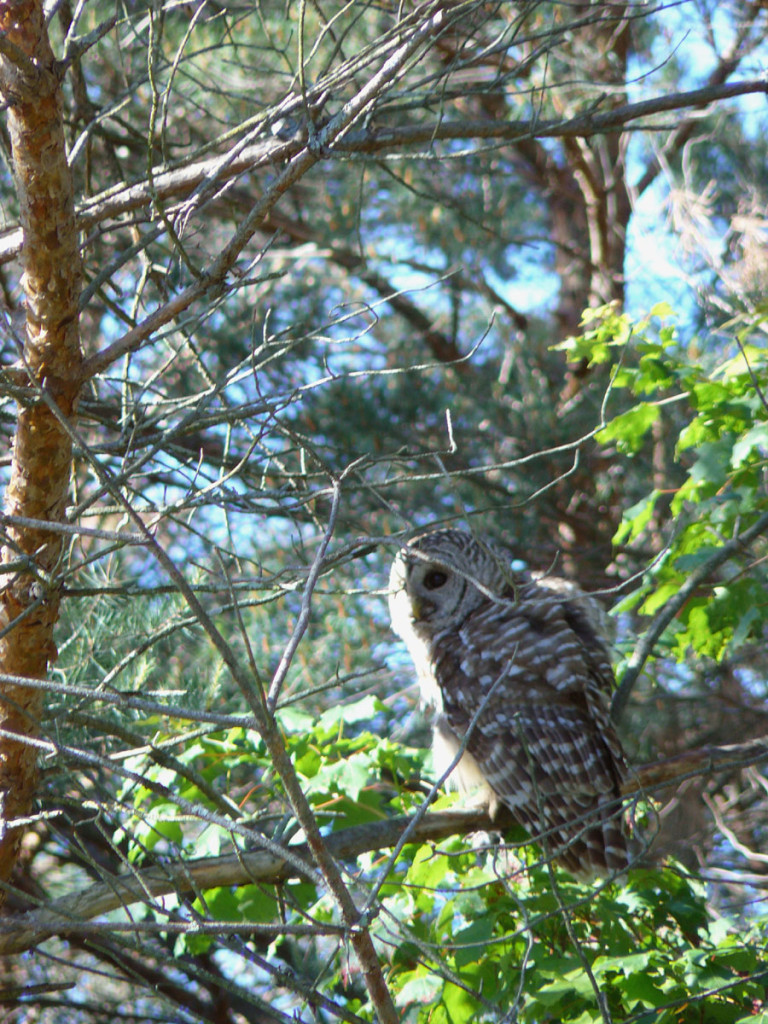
[76, 913]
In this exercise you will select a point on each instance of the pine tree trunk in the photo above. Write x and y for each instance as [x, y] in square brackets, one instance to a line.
[49, 377]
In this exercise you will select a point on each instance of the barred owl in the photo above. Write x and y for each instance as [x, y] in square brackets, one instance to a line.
[515, 668]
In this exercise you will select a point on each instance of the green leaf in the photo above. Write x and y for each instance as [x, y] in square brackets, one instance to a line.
[421, 986]
[470, 942]
[662, 310]
[642, 989]
[429, 868]
[348, 776]
[459, 1004]
[625, 964]
[760, 1017]
[209, 842]
[757, 437]
[636, 518]
[659, 597]
[686, 563]
[574, 981]
[713, 462]
[629, 428]
[346, 714]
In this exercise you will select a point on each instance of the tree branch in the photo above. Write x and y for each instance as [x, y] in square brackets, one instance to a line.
[71, 914]
[182, 181]
[720, 73]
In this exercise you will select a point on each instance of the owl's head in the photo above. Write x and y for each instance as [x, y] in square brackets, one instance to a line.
[441, 577]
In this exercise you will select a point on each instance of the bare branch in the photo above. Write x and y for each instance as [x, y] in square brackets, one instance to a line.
[372, 140]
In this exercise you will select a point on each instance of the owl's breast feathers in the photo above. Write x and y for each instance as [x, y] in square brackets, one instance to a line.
[525, 685]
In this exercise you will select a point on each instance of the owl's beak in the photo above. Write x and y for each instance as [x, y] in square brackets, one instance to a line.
[421, 609]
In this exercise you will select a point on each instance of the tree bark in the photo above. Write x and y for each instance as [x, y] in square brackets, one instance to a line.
[50, 368]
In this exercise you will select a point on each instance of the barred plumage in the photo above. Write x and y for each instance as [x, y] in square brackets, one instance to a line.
[516, 667]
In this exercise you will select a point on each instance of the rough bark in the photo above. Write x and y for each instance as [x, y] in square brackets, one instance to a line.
[50, 367]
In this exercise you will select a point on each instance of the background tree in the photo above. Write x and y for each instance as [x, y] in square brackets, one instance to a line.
[334, 265]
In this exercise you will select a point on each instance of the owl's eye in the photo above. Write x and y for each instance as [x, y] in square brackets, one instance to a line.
[434, 579]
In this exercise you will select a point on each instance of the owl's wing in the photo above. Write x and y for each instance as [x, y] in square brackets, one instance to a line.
[558, 777]
[525, 687]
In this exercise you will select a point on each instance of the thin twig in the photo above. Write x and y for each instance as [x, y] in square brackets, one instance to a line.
[70, 529]
[302, 621]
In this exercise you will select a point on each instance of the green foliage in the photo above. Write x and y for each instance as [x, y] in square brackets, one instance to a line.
[462, 931]
[715, 412]
[552, 950]
[336, 758]
[385, 336]
[465, 930]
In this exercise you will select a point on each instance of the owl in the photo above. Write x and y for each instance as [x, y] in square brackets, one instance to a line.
[519, 677]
